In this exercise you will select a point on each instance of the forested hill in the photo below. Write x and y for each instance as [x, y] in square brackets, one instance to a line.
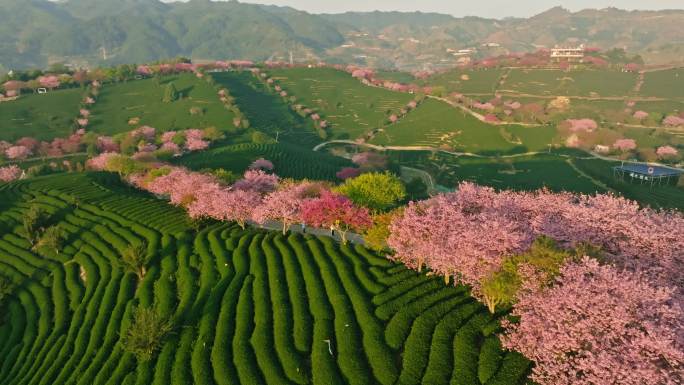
[34, 33]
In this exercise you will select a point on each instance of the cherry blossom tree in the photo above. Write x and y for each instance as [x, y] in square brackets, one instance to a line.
[10, 173]
[261, 164]
[335, 212]
[49, 81]
[212, 201]
[576, 125]
[99, 163]
[17, 152]
[285, 204]
[84, 113]
[625, 145]
[348, 172]
[667, 152]
[640, 115]
[258, 181]
[673, 121]
[107, 144]
[194, 144]
[598, 325]
[370, 160]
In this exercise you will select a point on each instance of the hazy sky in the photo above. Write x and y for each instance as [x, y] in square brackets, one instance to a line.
[486, 8]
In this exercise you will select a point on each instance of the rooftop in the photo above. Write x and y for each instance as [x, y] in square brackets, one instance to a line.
[651, 170]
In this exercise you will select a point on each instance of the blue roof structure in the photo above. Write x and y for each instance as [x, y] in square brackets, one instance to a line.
[644, 169]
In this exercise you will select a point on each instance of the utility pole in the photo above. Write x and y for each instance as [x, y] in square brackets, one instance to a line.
[291, 58]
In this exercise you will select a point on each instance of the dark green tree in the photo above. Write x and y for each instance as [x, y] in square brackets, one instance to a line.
[146, 334]
[134, 259]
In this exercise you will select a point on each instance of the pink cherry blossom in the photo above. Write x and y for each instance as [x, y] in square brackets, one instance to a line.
[667, 151]
[171, 147]
[625, 144]
[82, 122]
[49, 81]
[107, 144]
[640, 115]
[257, 180]
[17, 152]
[673, 121]
[84, 112]
[145, 132]
[261, 164]
[598, 325]
[10, 173]
[99, 163]
[168, 136]
[285, 205]
[587, 125]
[194, 144]
[484, 106]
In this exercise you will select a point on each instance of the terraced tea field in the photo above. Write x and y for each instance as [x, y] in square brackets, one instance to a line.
[435, 123]
[352, 108]
[41, 116]
[572, 83]
[142, 99]
[530, 172]
[266, 111]
[665, 84]
[247, 307]
[480, 82]
[290, 161]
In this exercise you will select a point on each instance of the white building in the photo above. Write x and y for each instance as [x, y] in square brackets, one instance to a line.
[568, 53]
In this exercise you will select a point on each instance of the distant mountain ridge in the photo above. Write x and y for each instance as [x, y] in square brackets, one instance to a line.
[34, 33]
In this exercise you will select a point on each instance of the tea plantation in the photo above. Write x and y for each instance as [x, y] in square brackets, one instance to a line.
[245, 306]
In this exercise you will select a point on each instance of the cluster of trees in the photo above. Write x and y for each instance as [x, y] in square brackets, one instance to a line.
[579, 319]
[261, 196]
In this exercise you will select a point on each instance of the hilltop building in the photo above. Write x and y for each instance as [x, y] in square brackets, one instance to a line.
[570, 54]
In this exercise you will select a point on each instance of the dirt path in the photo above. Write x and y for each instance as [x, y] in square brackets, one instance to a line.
[592, 179]
[410, 173]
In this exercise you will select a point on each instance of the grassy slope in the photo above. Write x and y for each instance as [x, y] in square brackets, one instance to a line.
[248, 307]
[43, 116]
[352, 108]
[120, 102]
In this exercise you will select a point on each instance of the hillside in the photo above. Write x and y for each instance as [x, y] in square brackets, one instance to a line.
[37, 32]
[247, 306]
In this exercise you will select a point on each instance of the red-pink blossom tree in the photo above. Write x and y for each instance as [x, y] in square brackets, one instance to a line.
[598, 325]
[336, 212]
[348, 172]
